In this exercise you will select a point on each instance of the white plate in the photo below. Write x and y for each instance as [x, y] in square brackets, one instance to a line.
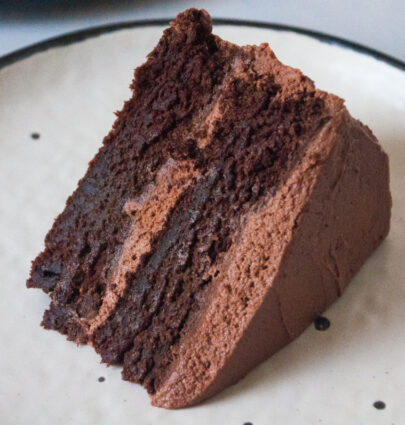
[68, 95]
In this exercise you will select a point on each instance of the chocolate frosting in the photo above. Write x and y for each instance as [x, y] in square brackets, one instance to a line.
[301, 249]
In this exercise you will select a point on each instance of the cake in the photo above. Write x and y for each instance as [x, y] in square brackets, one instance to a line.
[229, 206]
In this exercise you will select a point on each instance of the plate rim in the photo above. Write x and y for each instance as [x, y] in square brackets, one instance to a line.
[76, 36]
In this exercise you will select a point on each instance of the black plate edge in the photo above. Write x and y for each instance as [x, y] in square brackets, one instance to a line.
[80, 35]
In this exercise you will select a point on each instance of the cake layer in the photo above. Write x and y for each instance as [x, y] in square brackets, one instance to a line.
[231, 203]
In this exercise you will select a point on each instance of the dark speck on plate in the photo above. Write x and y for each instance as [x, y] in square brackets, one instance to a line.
[321, 323]
[379, 405]
[35, 136]
[101, 379]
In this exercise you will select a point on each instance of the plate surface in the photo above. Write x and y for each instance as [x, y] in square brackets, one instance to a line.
[68, 95]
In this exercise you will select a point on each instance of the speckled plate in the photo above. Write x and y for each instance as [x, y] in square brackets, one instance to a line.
[55, 107]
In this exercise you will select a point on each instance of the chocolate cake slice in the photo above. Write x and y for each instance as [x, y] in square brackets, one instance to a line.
[230, 205]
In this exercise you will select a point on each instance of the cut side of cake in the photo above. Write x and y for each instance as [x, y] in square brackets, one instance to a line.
[230, 205]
